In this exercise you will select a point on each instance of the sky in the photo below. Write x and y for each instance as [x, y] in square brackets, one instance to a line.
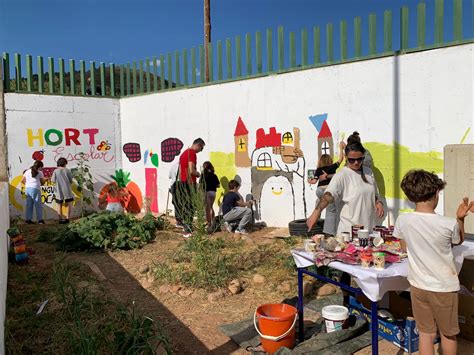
[121, 31]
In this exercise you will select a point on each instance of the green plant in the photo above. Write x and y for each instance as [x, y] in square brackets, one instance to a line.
[83, 177]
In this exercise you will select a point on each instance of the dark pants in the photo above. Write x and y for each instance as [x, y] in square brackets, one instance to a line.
[174, 201]
[185, 195]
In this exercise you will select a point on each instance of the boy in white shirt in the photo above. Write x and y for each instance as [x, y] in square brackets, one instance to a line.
[428, 239]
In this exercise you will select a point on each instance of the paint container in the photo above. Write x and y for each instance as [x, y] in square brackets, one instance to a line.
[355, 228]
[363, 235]
[379, 260]
[335, 317]
[318, 239]
[347, 236]
[306, 243]
[365, 260]
[311, 247]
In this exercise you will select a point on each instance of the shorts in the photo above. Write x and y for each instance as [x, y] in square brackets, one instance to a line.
[435, 310]
[65, 201]
[114, 207]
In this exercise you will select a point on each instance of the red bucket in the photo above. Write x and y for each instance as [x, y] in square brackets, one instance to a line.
[276, 326]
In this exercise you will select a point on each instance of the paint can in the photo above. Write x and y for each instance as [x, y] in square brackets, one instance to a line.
[363, 235]
[379, 260]
[355, 228]
[365, 260]
[347, 236]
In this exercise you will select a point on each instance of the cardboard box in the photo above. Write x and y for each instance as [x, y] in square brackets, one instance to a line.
[466, 317]
[403, 333]
[466, 275]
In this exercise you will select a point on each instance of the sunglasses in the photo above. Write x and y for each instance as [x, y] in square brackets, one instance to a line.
[353, 160]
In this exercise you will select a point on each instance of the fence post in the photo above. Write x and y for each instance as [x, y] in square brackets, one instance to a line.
[147, 74]
[82, 65]
[269, 50]
[358, 37]
[155, 74]
[228, 57]
[292, 50]
[343, 39]
[72, 76]
[62, 81]
[317, 44]
[329, 43]
[112, 79]
[387, 31]
[439, 20]
[238, 49]
[258, 50]
[185, 67]
[122, 80]
[18, 71]
[140, 76]
[40, 74]
[219, 60]
[372, 34]
[404, 28]
[6, 71]
[162, 72]
[281, 49]
[51, 74]
[193, 66]
[102, 79]
[29, 73]
[177, 69]
[457, 20]
[304, 47]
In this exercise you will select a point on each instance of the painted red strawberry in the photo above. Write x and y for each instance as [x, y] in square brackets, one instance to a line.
[38, 155]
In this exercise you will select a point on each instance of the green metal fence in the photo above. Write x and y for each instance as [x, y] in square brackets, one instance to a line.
[244, 57]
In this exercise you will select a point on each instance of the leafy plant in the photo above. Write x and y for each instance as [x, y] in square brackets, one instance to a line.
[83, 177]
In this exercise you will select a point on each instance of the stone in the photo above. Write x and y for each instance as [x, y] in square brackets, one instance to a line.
[151, 278]
[146, 284]
[164, 289]
[326, 290]
[215, 296]
[259, 279]
[235, 286]
[176, 288]
[285, 286]
[307, 288]
[185, 293]
[144, 269]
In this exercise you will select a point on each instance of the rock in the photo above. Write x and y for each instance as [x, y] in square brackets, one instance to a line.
[326, 290]
[164, 289]
[146, 284]
[244, 284]
[212, 297]
[144, 269]
[185, 293]
[259, 279]
[150, 278]
[176, 288]
[235, 286]
[307, 288]
[285, 286]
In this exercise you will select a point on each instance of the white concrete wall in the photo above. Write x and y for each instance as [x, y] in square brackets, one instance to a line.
[4, 225]
[87, 121]
[408, 107]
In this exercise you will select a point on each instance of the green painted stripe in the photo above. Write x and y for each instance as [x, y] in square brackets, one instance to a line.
[92, 77]
[6, 71]
[372, 34]
[404, 27]
[82, 67]
[202, 64]
[329, 42]
[112, 79]
[421, 24]
[177, 68]
[122, 80]
[211, 62]
[185, 67]
[387, 31]
[357, 37]
[248, 54]
[258, 49]
[162, 72]
[62, 81]
[155, 74]
[238, 56]
[134, 78]
[29, 73]
[292, 50]
[170, 71]
[228, 56]
[72, 76]
[103, 87]
[147, 74]
[317, 45]
[304, 47]
[269, 50]
[219, 60]
[439, 21]
[281, 49]
[18, 71]
[193, 66]
[140, 76]
[457, 20]
[343, 39]
[51, 74]
[127, 75]
[40, 74]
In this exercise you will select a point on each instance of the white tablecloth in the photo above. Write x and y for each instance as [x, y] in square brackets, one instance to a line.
[375, 283]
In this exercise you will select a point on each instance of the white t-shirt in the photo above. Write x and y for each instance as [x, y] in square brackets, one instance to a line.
[354, 198]
[430, 255]
[33, 182]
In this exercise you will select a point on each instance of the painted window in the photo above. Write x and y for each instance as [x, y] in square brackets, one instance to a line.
[264, 161]
[287, 138]
[242, 146]
[325, 148]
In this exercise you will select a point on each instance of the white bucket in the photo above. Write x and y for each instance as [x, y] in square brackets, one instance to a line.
[335, 317]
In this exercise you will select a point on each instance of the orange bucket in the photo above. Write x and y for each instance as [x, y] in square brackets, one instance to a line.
[276, 326]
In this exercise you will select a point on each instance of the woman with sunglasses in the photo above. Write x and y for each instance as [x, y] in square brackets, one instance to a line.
[368, 161]
[354, 191]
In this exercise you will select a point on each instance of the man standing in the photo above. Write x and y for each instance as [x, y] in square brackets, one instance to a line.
[187, 191]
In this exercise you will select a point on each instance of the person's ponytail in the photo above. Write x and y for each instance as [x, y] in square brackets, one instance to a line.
[35, 168]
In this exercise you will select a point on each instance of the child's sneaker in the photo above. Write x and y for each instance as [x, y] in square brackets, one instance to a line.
[241, 231]
[228, 227]
[187, 235]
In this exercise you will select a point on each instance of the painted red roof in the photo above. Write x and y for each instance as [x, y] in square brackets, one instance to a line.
[325, 132]
[240, 129]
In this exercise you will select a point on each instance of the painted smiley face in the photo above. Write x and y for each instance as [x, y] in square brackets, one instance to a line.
[277, 191]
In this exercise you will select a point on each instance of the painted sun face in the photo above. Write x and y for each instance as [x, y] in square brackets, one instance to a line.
[277, 191]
